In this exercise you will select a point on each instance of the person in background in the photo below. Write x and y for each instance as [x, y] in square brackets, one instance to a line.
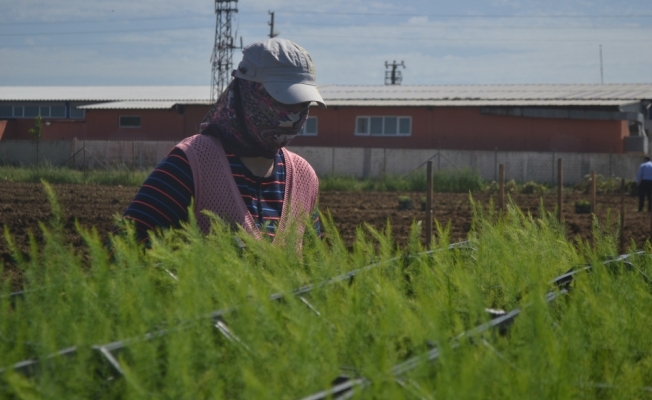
[238, 167]
[644, 183]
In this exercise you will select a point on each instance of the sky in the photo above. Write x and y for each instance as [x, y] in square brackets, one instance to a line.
[169, 42]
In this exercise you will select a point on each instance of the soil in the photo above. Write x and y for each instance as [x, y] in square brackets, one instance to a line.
[24, 205]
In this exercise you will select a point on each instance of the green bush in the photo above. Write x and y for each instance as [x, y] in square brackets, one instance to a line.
[582, 207]
[591, 343]
[534, 188]
[604, 185]
[61, 175]
[456, 181]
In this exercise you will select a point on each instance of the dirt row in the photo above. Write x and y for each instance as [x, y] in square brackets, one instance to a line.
[23, 205]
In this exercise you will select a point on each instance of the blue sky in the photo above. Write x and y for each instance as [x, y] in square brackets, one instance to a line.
[169, 42]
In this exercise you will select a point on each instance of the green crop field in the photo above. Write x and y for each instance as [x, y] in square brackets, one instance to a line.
[202, 317]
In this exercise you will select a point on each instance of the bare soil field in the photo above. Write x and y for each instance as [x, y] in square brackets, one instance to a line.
[23, 205]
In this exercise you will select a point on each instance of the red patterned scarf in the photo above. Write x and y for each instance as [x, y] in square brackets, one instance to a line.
[250, 123]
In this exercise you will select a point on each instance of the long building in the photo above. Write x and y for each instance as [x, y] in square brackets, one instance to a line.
[611, 118]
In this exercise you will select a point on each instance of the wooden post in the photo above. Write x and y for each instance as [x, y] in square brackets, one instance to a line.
[429, 205]
[560, 187]
[72, 152]
[622, 216]
[592, 190]
[501, 187]
[650, 218]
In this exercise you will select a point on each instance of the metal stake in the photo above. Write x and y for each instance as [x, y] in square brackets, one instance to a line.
[501, 187]
[560, 188]
[429, 205]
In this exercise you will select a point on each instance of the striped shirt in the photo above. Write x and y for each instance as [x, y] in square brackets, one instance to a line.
[163, 199]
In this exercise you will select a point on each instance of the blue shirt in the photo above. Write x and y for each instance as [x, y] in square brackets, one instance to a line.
[644, 172]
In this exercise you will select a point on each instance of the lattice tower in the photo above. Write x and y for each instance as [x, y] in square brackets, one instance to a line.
[222, 57]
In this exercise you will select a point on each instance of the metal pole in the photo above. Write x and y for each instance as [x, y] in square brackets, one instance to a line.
[439, 159]
[560, 186]
[650, 223]
[429, 205]
[601, 70]
[622, 216]
[650, 219]
[72, 159]
[593, 192]
[495, 161]
[501, 187]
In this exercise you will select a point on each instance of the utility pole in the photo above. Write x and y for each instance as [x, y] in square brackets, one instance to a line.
[393, 77]
[272, 34]
[601, 72]
[222, 56]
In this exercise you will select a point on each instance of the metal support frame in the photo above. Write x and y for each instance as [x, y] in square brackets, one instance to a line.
[108, 351]
[222, 57]
[393, 76]
[500, 320]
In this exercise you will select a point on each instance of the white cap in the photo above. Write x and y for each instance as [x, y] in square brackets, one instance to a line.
[284, 68]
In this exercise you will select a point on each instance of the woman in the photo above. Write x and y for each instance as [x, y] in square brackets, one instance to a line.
[237, 167]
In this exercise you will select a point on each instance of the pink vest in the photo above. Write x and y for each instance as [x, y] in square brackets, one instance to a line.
[216, 191]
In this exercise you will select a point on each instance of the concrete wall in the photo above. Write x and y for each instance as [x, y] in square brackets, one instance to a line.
[356, 161]
[134, 154]
[520, 166]
[80, 154]
[24, 152]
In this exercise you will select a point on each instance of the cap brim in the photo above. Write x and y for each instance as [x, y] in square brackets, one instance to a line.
[294, 93]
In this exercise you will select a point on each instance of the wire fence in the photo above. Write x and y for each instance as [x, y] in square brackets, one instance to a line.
[520, 166]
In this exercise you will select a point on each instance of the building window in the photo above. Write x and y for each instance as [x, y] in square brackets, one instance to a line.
[31, 111]
[76, 112]
[362, 126]
[309, 128]
[5, 111]
[58, 111]
[383, 126]
[129, 121]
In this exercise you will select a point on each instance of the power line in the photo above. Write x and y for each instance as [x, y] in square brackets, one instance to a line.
[411, 26]
[473, 15]
[106, 31]
[427, 39]
[310, 12]
[421, 26]
[443, 39]
[107, 20]
[119, 43]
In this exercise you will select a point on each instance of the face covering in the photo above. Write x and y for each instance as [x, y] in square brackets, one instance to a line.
[250, 123]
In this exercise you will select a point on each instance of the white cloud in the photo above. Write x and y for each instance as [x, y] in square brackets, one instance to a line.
[349, 41]
[420, 20]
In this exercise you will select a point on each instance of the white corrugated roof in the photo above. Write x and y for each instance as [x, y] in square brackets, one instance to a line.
[138, 105]
[568, 92]
[130, 105]
[104, 93]
[474, 103]
[345, 95]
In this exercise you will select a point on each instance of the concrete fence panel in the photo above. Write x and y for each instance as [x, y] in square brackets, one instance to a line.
[31, 152]
[359, 162]
[521, 166]
[133, 154]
